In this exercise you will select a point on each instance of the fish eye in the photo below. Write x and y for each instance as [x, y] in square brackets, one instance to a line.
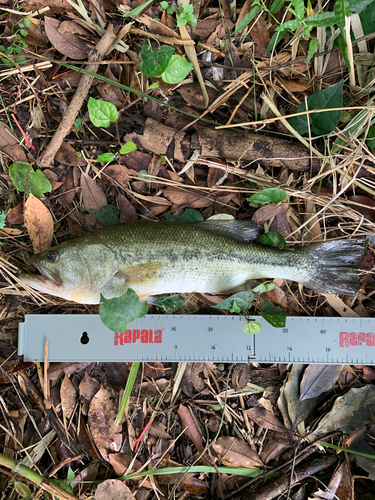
[52, 256]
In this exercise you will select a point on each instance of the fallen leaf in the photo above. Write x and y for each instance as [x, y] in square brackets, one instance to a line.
[240, 375]
[265, 419]
[259, 34]
[88, 387]
[318, 379]
[113, 489]
[9, 144]
[191, 425]
[198, 374]
[68, 156]
[278, 297]
[101, 420]
[366, 206]
[265, 213]
[64, 39]
[92, 194]
[68, 397]
[85, 478]
[15, 215]
[121, 462]
[39, 224]
[236, 453]
[126, 210]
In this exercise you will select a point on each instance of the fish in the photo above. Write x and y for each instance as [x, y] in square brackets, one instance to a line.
[213, 257]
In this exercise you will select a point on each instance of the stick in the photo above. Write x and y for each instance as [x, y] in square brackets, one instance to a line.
[83, 88]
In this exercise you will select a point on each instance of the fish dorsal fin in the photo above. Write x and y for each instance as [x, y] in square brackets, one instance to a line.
[242, 230]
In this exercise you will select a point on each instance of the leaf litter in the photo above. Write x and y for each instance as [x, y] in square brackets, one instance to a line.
[143, 146]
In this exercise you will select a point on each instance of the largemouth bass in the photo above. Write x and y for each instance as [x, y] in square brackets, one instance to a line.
[173, 257]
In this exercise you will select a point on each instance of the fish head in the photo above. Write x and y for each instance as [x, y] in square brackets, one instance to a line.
[63, 271]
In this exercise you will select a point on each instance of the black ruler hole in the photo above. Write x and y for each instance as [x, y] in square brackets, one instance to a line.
[85, 338]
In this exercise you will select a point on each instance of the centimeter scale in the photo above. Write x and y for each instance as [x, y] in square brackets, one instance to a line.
[199, 338]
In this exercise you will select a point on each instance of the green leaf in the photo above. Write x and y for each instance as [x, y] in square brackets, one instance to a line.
[243, 300]
[178, 69]
[247, 19]
[153, 86]
[70, 476]
[234, 308]
[128, 390]
[320, 123]
[106, 157]
[138, 9]
[108, 216]
[38, 183]
[22, 489]
[252, 327]
[321, 20]
[164, 5]
[102, 113]
[263, 287]
[312, 49]
[79, 154]
[341, 10]
[368, 19]
[128, 147]
[24, 32]
[169, 302]
[62, 485]
[272, 239]
[27, 21]
[274, 315]
[269, 195]
[143, 174]
[78, 124]
[170, 10]
[276, 6]
[357, 6]
[344, 49]
[118, 313]
[370, 139]
[155, 62]
[299, 8]
[290, 25]
[276, 38]
[3, 216]
[345, 117]
[190, 215]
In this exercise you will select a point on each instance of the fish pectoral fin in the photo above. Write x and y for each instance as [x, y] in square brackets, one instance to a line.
[141, 274]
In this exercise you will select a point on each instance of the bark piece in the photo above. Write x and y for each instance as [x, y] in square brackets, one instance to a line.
[267, 151]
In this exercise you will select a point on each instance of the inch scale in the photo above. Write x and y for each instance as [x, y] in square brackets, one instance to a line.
[199, 338]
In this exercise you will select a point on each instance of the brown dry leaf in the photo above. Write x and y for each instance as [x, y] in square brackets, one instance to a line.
[101, 420]
[186, 382]
[111, 93]
[120, 463]
[84, 479]
[205, 27]
[10, 145]
[237, 453]
[63, 38]
[265, 419]
[88, 387]
[93, 196]
[15, 215]
[274, 447]
[187, 199]
[68, 397]
[119, 174]
[157, 429]
[154, 370]
[113, 489]
[137, 160]
[240, 375]
[224, 27]
[192, 94]
[126, 210]
[149, 389]
[260, 36]
[192, 429]
[281, 224]
[68, 156]
[294, 85]
[199, 372]
[368, 210]
[39, 224]
[55, 6]
[265, 213]
[278, 297]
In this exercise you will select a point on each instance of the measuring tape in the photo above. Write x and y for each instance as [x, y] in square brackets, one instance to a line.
[199, 338]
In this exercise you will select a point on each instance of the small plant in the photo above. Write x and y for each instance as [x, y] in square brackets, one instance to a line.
[17, 44]
[161, 62]
[21, 174]
[184, 14]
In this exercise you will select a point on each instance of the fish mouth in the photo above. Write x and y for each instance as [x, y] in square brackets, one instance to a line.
[42, 279]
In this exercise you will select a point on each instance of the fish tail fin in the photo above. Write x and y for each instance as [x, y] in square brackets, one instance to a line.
[335, 264]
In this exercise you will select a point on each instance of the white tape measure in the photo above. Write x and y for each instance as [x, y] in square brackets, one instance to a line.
[199, 338]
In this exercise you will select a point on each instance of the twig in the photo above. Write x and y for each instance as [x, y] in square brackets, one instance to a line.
[82, 90]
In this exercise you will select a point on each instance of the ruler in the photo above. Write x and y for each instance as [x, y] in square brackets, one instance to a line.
[199, 338]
